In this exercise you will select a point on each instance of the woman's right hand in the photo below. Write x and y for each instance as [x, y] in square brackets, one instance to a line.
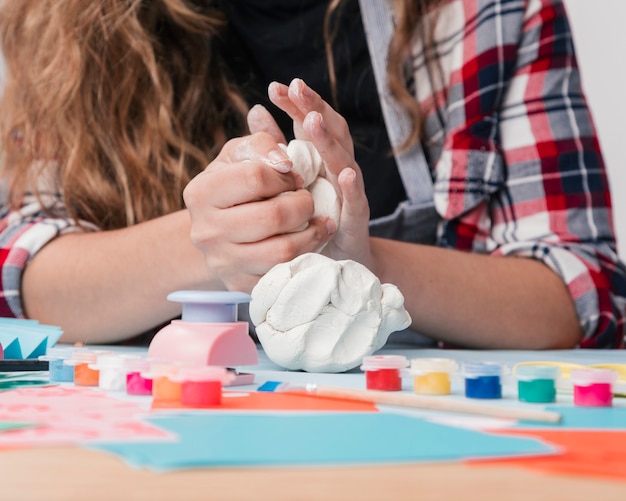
[244, 207]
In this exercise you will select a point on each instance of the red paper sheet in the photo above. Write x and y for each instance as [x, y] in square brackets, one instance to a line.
[599, 453]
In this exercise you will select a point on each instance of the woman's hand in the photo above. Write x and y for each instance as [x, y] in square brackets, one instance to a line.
[316, 121]
[244, 207]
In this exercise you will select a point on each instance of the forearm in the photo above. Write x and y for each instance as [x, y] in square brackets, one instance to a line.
[106, 286]
[477, 300]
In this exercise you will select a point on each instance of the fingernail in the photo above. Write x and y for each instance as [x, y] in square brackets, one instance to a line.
[300, 88]
[331, 226]
[279, 160]
[277, 89]
[321, 122]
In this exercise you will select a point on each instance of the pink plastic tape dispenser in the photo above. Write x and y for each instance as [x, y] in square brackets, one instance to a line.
[208, 333]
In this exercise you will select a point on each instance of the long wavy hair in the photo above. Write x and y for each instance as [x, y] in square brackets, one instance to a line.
[127, 101]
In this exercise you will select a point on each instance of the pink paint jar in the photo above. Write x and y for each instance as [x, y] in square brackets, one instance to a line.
[201, 386]
[136, 381]
[593, 387]
[384, 372]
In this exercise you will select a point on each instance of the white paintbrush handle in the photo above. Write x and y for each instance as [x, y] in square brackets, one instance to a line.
[435, 403]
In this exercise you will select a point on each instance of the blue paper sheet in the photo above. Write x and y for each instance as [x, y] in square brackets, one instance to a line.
[222, 439]
[22, 339]
[584, 418]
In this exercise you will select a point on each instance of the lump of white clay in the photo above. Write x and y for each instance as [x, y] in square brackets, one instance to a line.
[309, 164]
[320, 315]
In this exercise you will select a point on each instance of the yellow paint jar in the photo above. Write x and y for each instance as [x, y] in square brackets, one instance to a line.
[431, 376]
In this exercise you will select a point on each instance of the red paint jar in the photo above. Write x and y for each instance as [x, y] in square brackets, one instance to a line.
[202, 386]
[384, 372]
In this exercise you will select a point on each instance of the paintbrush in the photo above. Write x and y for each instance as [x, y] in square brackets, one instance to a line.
[435, 403]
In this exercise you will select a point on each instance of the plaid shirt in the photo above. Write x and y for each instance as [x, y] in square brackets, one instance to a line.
[514, 154]
[515, 161]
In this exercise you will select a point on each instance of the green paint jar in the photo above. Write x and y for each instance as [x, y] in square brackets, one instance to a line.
[537, 383]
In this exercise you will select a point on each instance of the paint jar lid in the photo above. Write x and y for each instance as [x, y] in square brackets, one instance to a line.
[479, 369]
[84, 356]
[109, 361]
[421, 366]
[209, 306]
[160, 368]
[203, 373]
[532, 372]
[586, 377]
[378, 362]
[58, 353]
[136, 363]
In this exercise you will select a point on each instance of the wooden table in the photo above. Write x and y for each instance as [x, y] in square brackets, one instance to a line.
[73, 473]
[68, 474]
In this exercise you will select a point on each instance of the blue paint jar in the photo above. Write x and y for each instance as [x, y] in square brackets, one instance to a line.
[58, 370]
[483, 380]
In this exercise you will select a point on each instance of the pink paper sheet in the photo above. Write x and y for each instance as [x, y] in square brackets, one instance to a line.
[71, 415]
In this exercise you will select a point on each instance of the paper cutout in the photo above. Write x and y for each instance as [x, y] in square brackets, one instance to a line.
[589, 418]
[71, 415]
[14, 425]
[242, 400]
[221, 439]
[22, 338]
[593, 441]
[590, 453]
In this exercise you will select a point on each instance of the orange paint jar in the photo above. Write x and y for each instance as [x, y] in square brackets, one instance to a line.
[165, 388]
[84, 373]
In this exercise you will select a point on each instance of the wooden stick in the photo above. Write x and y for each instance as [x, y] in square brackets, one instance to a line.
[433, 403]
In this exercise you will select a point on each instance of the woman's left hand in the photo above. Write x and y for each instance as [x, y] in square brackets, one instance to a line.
[316, 121]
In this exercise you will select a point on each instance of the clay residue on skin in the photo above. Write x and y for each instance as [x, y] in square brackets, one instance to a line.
[308, 163]
[320, 315]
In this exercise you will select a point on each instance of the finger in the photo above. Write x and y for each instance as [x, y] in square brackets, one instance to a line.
[261, 120]
[308, 100]
[238, 183]
[260, 146]
[352, 241]
[333, 152]
[256, 221]
[355, 206]
[278, 94]
[261, 256]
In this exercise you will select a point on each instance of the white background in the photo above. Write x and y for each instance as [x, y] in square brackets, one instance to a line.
[600, 40]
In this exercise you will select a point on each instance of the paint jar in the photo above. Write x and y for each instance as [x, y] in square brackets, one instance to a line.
[112, 371]
[82, 359]
[537, 383]
[58, 370]
[136, 382]
[384, 372]
[483, 379]
[202, 386]
[593, 387]
[165, 388]
[431, 376]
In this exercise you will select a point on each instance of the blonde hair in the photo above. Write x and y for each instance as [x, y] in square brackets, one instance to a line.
[127, 98]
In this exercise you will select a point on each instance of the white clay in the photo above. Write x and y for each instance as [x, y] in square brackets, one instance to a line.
[321, 315]
[308, 163]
